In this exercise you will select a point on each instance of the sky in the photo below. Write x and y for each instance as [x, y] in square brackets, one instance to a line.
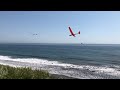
[96, 27]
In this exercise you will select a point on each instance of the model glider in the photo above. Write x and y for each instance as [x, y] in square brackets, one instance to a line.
[72, 34]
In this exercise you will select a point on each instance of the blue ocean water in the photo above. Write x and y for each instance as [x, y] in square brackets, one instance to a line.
[95, 56]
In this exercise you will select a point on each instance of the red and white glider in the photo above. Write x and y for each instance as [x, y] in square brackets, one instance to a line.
[72, 34]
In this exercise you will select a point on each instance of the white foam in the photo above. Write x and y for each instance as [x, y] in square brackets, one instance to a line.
[108, 70]
[12, 65]
[39, 61]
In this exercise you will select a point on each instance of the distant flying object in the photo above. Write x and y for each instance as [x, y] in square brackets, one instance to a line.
[72, 34]
[34, 34]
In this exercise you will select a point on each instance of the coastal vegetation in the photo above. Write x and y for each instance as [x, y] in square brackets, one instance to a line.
[7, 72]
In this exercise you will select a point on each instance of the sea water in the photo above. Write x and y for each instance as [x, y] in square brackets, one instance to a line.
[83, 61]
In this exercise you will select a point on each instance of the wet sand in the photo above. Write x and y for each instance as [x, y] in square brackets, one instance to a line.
[62, 76]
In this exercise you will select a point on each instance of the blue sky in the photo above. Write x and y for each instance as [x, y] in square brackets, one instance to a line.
[102, 27]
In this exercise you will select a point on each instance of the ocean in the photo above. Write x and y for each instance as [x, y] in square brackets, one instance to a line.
[82, 61]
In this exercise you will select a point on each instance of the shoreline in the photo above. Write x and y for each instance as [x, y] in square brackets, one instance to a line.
[63, 70]
[54, 76]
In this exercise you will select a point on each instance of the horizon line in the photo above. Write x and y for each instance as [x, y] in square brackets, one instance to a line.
[59, 43]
